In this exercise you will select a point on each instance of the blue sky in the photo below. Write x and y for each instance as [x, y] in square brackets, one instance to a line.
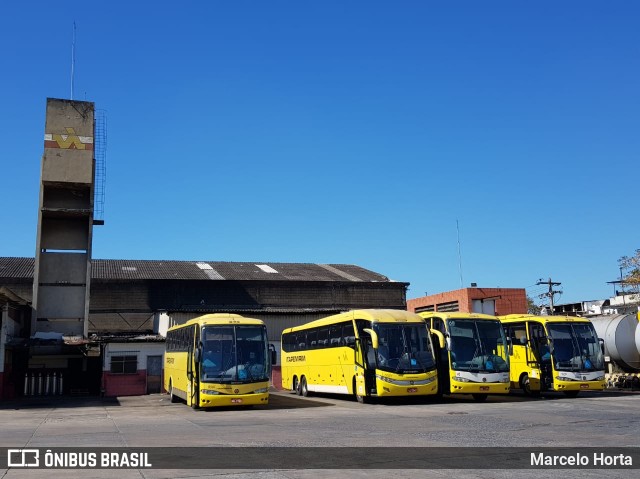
[344, 132]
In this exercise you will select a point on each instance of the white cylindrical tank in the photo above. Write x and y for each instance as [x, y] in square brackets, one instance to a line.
[620, 335]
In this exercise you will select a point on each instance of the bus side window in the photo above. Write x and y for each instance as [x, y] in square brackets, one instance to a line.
[302, 342]
[335, 335]
[312, 338]
[348, 335]
[323, 337]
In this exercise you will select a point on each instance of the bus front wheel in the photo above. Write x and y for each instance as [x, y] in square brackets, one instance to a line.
[195, 400]
[361, 398]
[525, 385]
[172, 397]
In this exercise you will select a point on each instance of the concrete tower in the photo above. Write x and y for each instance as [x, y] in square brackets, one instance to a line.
[62, 272]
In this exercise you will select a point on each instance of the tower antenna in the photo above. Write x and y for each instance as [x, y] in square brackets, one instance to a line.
[73, 56]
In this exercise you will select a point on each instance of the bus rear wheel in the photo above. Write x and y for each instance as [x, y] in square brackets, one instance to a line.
[304, 390]
[296, 386]
[525, 385]
[480, 397]
[571, 394]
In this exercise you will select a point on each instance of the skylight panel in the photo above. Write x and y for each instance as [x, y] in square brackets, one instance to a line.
[266, 268]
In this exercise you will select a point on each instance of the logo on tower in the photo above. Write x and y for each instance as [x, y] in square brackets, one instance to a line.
[70, 141]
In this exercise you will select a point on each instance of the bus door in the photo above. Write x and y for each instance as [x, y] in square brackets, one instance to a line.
[365, 359]
[193, 366]
[540, 353]
[442, 357]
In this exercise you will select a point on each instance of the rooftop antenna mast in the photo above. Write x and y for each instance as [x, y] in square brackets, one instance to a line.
[459, 254]
[73, 56]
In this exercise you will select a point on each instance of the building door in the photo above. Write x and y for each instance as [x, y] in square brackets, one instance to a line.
[154, 374]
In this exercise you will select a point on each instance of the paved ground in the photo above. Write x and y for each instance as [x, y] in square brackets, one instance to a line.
[594, 419]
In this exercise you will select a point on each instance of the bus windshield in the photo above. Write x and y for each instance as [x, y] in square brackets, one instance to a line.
[234, 354]
[477, 346]
[575, 347]
[403, 348]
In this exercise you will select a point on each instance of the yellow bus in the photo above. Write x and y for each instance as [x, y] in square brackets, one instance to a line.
[472, 353]
[218, 360]
[366, 353]
[554, 353]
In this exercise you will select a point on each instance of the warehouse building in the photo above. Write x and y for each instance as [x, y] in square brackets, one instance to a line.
[133, 302]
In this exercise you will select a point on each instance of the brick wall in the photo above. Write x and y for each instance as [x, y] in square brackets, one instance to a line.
[276, 377]
[508, 300]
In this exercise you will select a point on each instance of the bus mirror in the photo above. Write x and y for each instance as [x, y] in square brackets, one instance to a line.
[439, 335]
[601, 341]
[448, 338]
[374, 337]
[274, 355]
[196, 355]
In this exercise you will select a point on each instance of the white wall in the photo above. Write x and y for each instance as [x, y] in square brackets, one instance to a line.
[141, 350]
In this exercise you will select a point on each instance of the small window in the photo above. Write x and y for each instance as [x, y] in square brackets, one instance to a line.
[518, 334]
[124, 364]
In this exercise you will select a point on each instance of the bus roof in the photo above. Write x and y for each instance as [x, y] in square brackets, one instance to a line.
[379, 315]
[218, 319]
[456, 315]
[515, 318]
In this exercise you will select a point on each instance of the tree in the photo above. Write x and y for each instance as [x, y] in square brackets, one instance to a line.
[630, 271]
[532, 308]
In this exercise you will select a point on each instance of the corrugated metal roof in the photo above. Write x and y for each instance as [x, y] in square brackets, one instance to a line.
[120, 269]
[16, 268]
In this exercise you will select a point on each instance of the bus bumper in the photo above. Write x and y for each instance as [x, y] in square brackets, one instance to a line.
[578, 385]
[458, 387]
[218, 400]
[411, 388]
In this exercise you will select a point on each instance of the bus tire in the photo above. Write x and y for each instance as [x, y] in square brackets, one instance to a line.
[296, 385]
[361, 399]
[525, 385]
[480, 397]
[195, 400]
[571, 394]
[304, 390]
[172, 397]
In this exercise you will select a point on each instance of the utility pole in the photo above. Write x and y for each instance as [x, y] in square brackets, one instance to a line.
[551, 293]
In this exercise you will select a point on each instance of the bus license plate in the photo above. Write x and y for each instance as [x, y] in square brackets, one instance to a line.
[412, 390]
[584, 386]
[484, 388]
[236, 401]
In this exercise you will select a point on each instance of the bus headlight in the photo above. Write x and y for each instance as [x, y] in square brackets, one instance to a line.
[261, 391]
[461, 380]
[600, 378]
[209, 392]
